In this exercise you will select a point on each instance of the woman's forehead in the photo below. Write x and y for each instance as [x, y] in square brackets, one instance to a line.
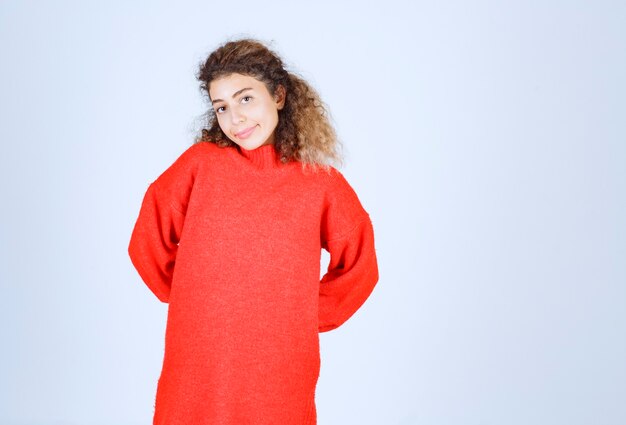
[230, 84]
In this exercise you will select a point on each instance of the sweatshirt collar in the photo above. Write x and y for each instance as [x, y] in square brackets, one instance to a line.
[264, 156]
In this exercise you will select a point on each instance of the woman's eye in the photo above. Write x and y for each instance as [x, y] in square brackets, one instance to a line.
[220, 109]
[246, 99]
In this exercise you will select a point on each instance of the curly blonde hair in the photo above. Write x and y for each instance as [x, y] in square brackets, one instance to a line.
[304, 132]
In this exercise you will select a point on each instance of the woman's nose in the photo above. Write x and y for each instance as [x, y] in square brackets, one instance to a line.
[236, 116]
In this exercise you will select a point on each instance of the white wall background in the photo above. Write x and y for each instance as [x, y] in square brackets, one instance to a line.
[486, 139]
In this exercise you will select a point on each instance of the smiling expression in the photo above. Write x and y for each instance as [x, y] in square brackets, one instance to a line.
[246, 111]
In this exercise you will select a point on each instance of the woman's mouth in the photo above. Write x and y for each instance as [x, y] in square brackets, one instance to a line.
[245, 133]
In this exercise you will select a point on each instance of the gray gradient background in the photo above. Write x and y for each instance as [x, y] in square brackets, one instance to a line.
[486, 139]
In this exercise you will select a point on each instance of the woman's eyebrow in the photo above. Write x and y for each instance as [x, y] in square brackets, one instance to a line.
[237, 93]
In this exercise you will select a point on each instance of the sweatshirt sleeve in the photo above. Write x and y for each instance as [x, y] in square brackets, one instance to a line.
[347, 234]
[155, 236]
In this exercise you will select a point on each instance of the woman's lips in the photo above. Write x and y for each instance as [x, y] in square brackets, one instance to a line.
[245, 133]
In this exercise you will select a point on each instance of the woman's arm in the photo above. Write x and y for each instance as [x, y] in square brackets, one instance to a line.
[348, 235]
[157, 231]
[154, 242]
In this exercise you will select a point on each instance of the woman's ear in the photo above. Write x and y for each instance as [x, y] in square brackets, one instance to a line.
[280, 96]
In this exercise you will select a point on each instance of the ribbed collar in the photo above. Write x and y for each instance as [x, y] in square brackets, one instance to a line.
[262, 157]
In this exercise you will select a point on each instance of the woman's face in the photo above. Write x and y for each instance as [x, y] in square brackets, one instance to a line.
[246, 111]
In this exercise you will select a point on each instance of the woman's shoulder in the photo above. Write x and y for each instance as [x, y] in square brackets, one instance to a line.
[200, 153]
[335, 179]
[202, 150]
[338, 188]
[192, 159]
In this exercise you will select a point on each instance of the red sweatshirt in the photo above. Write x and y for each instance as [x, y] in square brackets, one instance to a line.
[232, 240]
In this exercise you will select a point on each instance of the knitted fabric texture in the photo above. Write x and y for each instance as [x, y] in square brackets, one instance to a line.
[231, 239]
